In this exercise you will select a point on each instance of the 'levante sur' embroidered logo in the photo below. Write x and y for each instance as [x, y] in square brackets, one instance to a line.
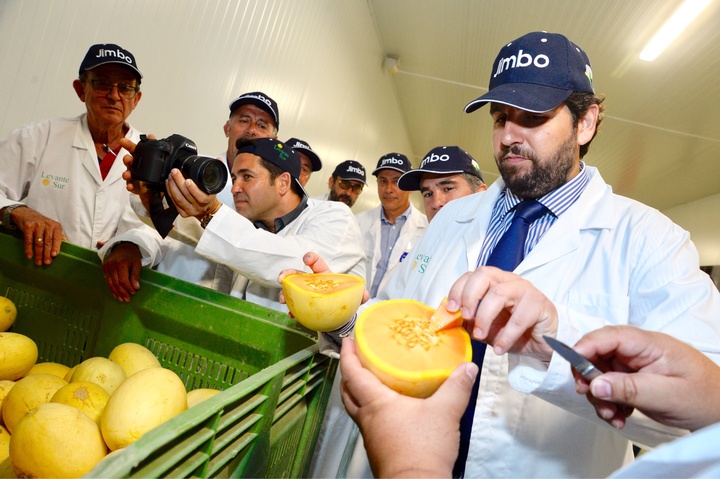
[54, 181]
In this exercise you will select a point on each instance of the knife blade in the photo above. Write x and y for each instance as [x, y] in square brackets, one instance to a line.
[579, 362]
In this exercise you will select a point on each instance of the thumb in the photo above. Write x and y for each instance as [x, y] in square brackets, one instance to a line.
[316, 263]
[454, 393]
[623, 388]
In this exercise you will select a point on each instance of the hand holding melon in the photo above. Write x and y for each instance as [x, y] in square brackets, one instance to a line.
[411, 347]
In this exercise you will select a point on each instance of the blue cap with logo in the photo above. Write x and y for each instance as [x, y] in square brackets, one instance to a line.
[260, 100]
[350, 170]
[536, 73]
[442, 160]
[274, 151]
[393, 161]
[303, 147]
[108, 53]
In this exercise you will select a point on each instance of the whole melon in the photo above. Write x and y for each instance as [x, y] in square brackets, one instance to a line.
[18, 354]
[4, 444]
[133, 357]
[5, 387]
[88, 397]
[146, 399]
[100, 371]
[8, 313]
[57, 369]
[196, 396]
[69, 373]
[28, 393]
[323, 301]
[55, 440]
[397, 341]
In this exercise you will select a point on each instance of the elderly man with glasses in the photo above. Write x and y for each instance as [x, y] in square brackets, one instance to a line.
[59, 178]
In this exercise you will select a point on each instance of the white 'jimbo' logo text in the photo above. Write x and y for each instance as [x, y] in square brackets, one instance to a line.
[352, 169]
[392, 161]
[432, 158]
[114, 53]
[521, 60]
[259, 97]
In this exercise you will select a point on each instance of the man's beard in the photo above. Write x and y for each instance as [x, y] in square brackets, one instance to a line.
[544, 175]
[333, 196]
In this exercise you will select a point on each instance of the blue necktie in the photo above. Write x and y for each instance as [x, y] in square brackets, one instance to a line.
[508, 253]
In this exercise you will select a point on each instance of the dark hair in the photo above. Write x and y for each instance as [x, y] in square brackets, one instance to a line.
[578, 103]
[473, 181]
[272, 168]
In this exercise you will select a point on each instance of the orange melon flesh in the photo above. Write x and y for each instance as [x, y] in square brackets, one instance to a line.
[444, 319]
[396, 342]
[323, 301]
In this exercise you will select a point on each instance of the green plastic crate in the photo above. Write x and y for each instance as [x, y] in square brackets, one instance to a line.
[275, 383]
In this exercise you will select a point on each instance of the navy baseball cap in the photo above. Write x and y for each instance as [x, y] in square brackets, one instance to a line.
[108, 53]
[443, 160]
[350, 170]
[303, 147]
[260, 100]
[276, 152]
[393, 161]
[536, 73]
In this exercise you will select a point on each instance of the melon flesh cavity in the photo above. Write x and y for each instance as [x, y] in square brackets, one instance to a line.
[395, 340]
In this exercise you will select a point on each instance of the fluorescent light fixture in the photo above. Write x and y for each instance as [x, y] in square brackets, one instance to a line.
[672, 28]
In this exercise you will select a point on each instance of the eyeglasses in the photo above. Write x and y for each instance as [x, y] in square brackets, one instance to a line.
[346, 185]
[104, 87]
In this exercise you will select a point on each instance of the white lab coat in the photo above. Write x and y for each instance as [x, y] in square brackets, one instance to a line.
[693, 456]
[52, 167]
[325, 227]
[412, 231]
[173, 255]
[606, 260]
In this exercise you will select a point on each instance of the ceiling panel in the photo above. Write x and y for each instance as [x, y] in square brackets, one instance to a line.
[660, 141]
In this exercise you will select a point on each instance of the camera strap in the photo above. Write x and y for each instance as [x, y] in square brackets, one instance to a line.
[163, 218]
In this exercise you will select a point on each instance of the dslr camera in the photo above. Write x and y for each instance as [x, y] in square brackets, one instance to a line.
[153, 160]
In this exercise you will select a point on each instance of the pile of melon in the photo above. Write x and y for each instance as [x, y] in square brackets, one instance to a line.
[60, 421]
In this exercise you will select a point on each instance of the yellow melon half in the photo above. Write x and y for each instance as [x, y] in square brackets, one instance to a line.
[323, 301]
[395, 340]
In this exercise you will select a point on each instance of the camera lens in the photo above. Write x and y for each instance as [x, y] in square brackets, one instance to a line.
[209, 174]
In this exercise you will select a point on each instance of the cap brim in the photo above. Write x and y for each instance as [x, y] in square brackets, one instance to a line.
[116, 62]
[314, 159]
[351, 178]
[389, 168]
[301, 187]
[524, 96]
[410, 181]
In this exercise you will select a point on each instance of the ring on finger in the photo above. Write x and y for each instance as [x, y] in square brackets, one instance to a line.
[39, 241]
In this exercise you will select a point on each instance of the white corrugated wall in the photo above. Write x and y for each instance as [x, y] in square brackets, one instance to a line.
[321, 60]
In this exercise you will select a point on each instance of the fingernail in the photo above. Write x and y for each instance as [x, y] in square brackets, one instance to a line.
[451, 305]
[601, 389]
[471, 370]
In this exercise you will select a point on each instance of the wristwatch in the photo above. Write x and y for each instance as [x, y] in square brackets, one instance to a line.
[205, 220]
[6, 221]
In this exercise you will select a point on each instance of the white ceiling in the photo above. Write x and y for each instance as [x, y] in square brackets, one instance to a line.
[660, 141]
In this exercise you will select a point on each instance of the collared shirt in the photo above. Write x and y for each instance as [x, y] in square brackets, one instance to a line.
[389, 234]
[283, 221]
[557, 201]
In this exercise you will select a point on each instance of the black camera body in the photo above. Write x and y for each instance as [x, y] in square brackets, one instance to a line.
[153, 160]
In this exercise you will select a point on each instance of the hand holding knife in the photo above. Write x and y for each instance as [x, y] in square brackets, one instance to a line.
[579, 362]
